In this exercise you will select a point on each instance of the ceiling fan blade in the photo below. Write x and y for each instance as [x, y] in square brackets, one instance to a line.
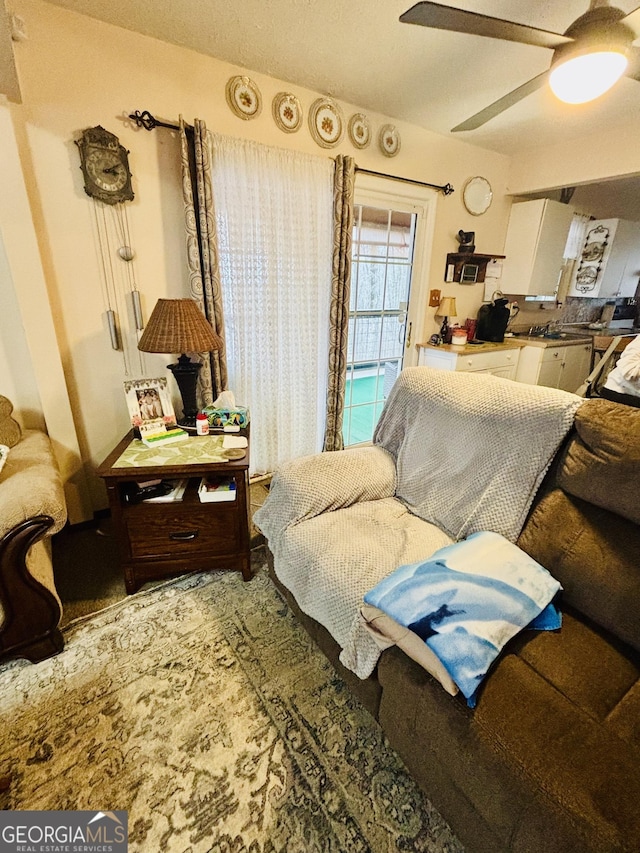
[503, 103]
[460, 21]
[632, 20]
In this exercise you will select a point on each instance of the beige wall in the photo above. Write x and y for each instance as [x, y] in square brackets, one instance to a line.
[76, 73]
[30, 360]
[603, 154]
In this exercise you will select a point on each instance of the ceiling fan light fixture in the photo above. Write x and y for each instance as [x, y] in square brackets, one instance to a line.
[585, 77]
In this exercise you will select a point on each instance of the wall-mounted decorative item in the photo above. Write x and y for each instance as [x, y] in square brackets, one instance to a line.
[477, 195]
[287, 112]
[243, 96]
[591, 259]
[359, 130]
[389, 140]
[107, 181]
[105, 166]
[326, 122]
[466, 241]
[469, 274]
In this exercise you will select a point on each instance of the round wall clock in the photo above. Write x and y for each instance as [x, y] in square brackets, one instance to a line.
[105, 166]
[477, 195]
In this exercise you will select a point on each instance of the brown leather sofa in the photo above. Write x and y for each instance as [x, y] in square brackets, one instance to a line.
[549, 760]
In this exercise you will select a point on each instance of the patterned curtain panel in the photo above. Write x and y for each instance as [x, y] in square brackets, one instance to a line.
[202, 251]
[343, 187]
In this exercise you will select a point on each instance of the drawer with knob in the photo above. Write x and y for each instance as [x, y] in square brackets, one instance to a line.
[502, 362]
[183, 530]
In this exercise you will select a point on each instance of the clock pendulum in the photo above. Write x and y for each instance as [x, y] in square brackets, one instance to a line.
[126, 253]
[109, 294]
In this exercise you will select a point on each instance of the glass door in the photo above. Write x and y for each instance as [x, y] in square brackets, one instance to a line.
[380, 329]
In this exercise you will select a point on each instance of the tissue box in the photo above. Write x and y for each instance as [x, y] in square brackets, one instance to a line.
[219, 418]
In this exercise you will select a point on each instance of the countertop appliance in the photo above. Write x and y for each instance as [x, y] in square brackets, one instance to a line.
[624, 314]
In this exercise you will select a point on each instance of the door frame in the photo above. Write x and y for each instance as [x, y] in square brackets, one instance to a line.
[375, 191]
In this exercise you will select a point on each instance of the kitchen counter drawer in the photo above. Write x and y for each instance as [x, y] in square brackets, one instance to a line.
[487, 361]
[501, 362]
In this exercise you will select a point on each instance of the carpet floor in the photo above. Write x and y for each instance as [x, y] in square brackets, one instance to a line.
[202, 708]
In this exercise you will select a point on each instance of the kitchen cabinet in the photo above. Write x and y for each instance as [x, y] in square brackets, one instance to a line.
[536, 239]
[609, 264]
[563, 366]
[500, 362]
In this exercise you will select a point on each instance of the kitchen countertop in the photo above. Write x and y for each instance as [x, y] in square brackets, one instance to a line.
[517, 341]
[569, 339]
[485, 346]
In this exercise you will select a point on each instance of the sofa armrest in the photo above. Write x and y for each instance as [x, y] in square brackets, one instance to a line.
[32, 508]
[30, 484]
[311, 485]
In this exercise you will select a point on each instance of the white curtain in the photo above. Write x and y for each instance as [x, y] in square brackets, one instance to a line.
[275, 239]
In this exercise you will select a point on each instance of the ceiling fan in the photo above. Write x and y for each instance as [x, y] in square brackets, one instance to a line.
[603, 34]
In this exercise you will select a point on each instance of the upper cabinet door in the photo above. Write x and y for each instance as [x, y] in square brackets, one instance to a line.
[609, 264]
[534, 249]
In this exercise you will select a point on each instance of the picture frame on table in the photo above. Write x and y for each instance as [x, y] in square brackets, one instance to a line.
[149, 404]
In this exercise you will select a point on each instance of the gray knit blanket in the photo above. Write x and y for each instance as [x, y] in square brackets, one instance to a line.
[454, 453]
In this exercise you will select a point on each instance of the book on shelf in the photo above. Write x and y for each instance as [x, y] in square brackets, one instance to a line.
[217, 489]
[176, 491]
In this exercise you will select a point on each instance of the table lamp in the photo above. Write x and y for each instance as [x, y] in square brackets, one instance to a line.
[178, 325]
[446, 309]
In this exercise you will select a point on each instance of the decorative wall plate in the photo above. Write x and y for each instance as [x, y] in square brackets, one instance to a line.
[359, 130]
[477, 195]
[326, 123]
[389, 140]
[243, 96]
[287, 113]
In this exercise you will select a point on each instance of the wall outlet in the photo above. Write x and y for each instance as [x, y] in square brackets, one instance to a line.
[434, 298]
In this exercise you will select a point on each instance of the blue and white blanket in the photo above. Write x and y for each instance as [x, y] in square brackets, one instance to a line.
[467, 600]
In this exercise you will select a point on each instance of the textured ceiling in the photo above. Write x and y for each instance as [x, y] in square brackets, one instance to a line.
[357, 51]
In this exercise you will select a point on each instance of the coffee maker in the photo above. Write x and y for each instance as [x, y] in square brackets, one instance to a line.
[492, 321]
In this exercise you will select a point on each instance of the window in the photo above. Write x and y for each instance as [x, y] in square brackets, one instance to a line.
[391, 233]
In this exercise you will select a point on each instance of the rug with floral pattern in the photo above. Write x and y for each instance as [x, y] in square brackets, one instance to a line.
[203, 709]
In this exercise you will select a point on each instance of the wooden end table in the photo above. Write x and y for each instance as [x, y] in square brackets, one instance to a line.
[157, 540]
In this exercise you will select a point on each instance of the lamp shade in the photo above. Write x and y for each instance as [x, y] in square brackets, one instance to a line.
[446, 308]
[178, 325]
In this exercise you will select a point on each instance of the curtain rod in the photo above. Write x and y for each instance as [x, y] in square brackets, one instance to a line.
[447, 189]
[149, 122]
